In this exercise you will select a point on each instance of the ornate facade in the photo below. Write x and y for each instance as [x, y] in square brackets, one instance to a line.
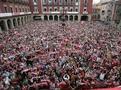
[14, 13]
[72, 9]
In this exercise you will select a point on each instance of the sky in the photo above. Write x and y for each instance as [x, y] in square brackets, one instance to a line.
[96, 1]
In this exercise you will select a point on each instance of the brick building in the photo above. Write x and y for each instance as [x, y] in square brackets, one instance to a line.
[14, 13]
[71, 9]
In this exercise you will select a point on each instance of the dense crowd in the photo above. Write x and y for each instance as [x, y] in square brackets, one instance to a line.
[47, 55]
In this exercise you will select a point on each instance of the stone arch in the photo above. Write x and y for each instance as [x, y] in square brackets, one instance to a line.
[14, 22]
[9, 23]
[18, 20]
[71, 18]
[84, 18]
[66, 17]
[2, 25]
[60, 17]
[56, 18]
[50, 17]
[45, 17]
[76, 18]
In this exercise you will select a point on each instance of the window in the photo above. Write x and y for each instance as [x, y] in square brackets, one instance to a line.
[71, 10]
[35, 0]
[11, 9]
[103, 12]
[15, 9]
[50, 1]
[76, 10]
[20, 9]
[50, 9]
[85, 9]
[85, 3]
[44, 1]
[5, 9]
[55, 9]
[45, 9]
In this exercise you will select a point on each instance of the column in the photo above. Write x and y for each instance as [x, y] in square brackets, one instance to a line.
[6, 25]
[16, 22]
[48, 17]
[23, 21]
[73, 17]
[68, 17]
[12, 26]
[78, 18]
[53, 17]
[0, 29]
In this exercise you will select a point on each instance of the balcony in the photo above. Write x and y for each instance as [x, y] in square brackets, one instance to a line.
[13, 14]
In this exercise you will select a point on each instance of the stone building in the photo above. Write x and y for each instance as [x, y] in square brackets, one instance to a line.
[14, 13]
[74, 10]
[108, 11]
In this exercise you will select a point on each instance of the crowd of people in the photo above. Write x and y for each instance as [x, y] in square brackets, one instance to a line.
[46, 55]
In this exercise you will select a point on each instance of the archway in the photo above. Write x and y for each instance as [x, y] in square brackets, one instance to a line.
[18, 20]
[45, 17]
[60, 17]
[50, 17]
[76, 18]
[71, 18]
[2, 25]
[66, 18]
[14, 22]
[56, 18]
[84, 18]
[9, 23]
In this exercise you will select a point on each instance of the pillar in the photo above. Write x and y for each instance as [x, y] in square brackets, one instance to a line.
[0, 29]
[79, 17]
[48, 17]
[23, 21]
[6, 25]
[68, 17]
[53, 18]
[12, 26]
[16, 22]
[73, 17]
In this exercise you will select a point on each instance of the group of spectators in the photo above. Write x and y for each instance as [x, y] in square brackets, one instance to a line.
[51, 55]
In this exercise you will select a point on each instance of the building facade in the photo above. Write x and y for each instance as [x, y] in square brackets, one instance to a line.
[96, 12]
[108, 11]
[73, 10]
[14, 13]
